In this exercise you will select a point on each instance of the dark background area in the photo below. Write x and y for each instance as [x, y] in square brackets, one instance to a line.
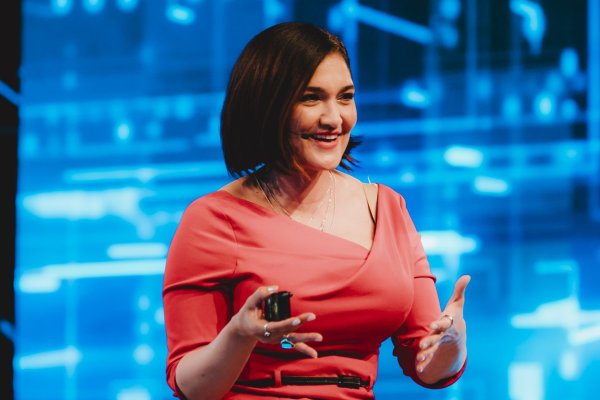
[10, 31]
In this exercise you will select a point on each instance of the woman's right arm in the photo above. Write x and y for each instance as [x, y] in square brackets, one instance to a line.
[209, 372]
[208, 344]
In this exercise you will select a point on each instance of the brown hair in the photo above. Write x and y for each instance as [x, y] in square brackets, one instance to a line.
[269, 76]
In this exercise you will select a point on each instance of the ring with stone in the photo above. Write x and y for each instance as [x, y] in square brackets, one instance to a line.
[266, 329]
[286, 343]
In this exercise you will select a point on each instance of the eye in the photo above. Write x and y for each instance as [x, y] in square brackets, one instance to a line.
[308, 97]
[348, 96]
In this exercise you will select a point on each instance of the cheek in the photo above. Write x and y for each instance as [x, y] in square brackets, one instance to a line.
[350, 118]
[303, 120]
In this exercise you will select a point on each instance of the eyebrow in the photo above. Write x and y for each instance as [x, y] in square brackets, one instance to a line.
[317, 89]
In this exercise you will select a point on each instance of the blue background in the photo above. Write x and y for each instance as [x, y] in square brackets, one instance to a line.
[484, 114]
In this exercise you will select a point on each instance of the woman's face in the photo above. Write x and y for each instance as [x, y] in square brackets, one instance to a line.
[324, 115]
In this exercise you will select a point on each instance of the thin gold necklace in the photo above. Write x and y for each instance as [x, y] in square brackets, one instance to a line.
[330, 203]
[330, 200]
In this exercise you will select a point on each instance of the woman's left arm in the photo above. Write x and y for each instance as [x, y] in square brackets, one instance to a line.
[443, 351]
[431, 348]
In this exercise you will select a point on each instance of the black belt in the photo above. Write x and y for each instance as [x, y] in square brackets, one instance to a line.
[345, 381]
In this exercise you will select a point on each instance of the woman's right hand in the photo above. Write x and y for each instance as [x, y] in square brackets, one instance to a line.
[250, 322]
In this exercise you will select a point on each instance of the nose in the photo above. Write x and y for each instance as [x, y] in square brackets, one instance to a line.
[331, 116]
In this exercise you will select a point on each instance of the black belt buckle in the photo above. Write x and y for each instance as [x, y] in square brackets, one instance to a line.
[352, 382]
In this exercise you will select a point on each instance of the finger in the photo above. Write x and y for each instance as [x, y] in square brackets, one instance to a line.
[424, 358]
[459, 289]
[260, 294]
[290, 324]
[429, 341]
[443, 323]
[306, 317]
[305, 337]
[306, 349]
[423, 362]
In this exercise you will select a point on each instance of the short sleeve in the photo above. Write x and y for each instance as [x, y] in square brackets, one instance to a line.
[200, 265]
[425, 308]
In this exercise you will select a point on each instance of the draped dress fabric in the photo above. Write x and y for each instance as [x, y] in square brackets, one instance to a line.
[226, 247]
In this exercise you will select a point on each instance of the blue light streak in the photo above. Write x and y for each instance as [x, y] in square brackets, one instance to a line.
[94, 6]
[134, 393]
[569, 365]
[67, 357]
[569, 62]
[414, 96]
[124, 131]
[136, 250]
[48, 279]
[273, 10]
[7, 329]
[459, 156]
[534, 22]
[80, 204]
[582, 327]
[545, 105]
[143, 354]
[448, 242]
[526, 381]
[8, 93]
[127, 5]
[491, 186]
[450, 9]
[586, 335]
[512, 107]
[62, 7]
[147, 173]
[180, 14]
[593, 104]
[386, 22]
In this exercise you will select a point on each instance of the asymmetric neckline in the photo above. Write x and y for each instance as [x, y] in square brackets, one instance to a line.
[300, 225]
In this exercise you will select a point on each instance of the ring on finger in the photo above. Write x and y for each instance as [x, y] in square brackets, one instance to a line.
[450, 318]
[286, 343]
[266, 329]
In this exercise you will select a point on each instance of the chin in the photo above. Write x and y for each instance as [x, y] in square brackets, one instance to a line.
[323, 166]
[320, 161]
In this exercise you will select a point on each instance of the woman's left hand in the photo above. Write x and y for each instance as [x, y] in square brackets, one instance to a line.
[445, 345]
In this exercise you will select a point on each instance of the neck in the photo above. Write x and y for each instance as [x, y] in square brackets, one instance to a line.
[302, 198]
[302, 194]
[295, 195]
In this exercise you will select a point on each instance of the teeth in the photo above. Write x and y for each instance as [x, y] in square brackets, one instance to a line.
[328, 138]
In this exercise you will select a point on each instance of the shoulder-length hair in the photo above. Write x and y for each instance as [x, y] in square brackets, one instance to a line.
[267, 79]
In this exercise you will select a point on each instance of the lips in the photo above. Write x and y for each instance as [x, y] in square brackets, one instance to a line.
[324, 137]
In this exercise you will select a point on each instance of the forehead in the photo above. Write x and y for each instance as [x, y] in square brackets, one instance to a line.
[331, 71]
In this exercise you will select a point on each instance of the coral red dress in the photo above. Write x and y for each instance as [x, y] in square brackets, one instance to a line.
[226, 247]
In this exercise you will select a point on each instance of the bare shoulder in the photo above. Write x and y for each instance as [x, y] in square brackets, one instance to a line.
[372, 189]
[354, 185]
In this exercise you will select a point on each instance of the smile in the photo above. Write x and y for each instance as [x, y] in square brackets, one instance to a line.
[324, 138]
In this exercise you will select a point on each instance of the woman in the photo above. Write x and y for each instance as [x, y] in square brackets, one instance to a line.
[348, 252]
